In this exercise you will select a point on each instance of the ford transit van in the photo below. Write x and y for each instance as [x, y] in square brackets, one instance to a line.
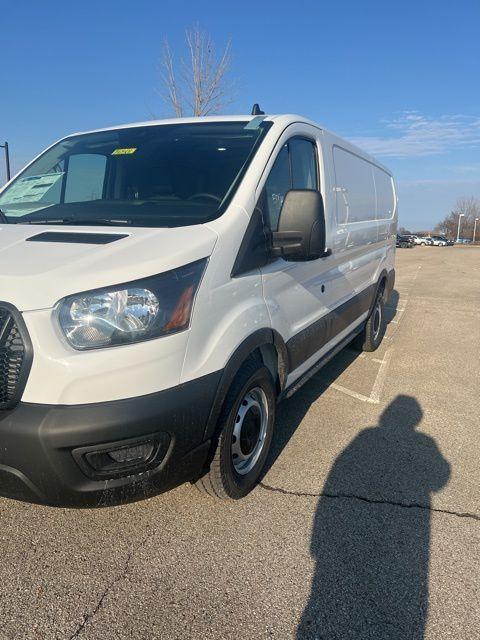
[163, 285]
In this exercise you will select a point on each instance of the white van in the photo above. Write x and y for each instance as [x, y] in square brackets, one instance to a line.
[164, 284]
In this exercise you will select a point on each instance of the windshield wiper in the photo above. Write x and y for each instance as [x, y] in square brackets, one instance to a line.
[97, 221]
[80, 221]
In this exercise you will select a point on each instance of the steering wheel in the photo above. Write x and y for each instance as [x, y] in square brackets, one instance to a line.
[210, 196]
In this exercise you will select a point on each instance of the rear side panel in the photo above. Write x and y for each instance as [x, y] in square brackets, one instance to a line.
[364, 213]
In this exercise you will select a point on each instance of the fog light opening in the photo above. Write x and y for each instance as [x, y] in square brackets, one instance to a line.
[119, 459]
[137, 453]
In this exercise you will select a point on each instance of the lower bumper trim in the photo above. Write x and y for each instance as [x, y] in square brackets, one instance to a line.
[43, 446]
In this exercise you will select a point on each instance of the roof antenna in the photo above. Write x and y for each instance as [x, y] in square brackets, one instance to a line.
[256, 111]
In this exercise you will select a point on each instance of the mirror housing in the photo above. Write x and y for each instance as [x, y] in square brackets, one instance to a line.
[301, 226]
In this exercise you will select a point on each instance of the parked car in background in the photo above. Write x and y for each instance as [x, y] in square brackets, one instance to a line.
[416, 239]
[424, 241]
[404, 242]
[439, 241]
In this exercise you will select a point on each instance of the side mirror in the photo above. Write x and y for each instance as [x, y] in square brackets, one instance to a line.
[301, 226]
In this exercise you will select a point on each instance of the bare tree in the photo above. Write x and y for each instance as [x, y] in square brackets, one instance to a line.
[172, 92]
[470, 209]
[199, 87]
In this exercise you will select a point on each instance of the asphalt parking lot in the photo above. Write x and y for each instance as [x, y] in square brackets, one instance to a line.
[367, 523]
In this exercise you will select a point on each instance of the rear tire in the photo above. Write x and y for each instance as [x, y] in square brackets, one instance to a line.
[372, 335]
[243, 436]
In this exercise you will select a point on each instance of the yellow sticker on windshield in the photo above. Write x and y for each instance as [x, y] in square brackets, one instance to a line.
[123, 152]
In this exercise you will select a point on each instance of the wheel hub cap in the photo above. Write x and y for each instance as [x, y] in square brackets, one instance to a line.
[377, 319]
[250, 430]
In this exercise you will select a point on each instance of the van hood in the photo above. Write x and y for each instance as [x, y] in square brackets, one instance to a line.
[41, 264]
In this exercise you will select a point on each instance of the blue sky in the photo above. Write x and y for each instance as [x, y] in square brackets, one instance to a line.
[401, 80]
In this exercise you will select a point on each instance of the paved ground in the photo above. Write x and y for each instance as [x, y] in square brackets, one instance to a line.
[366, 526]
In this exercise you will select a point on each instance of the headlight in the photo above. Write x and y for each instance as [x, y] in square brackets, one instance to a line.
[132, 312]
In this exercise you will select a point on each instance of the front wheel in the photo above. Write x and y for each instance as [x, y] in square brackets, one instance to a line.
[244, 434]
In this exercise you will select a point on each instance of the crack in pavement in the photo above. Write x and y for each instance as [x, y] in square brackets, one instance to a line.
[87, 618]
[405, 505]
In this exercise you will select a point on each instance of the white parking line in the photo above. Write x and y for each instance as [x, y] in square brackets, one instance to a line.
[374, 397]
[381, 376]
[353, 394]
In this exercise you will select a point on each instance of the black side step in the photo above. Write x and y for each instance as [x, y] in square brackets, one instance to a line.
[289, 391]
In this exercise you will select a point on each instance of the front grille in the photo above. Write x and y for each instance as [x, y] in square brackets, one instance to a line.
[13, 358]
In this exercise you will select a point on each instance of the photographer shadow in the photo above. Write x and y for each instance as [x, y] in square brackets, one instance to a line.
[371, 534]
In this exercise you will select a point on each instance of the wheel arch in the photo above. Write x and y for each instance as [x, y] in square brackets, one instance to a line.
[265, 344]
[381, 286]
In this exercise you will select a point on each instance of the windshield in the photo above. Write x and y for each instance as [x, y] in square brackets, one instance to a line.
[152, 176]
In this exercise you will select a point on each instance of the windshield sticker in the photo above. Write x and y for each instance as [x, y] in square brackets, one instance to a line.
[33, 188]
[123, 152]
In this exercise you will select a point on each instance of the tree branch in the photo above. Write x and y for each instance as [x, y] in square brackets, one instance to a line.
[200, 89]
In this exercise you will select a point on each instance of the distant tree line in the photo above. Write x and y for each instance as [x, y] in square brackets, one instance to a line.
[469, 207]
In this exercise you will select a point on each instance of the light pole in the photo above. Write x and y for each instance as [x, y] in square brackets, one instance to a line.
[475, 229]
[460, 216]
[7, 159]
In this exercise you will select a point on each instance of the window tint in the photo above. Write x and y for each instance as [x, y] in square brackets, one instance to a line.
[385, 195]
[276, 186]
[294, 168]
[304, 166]
[85, 178]
[354, 187]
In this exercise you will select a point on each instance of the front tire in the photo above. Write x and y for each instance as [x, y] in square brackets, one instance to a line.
[244, 434]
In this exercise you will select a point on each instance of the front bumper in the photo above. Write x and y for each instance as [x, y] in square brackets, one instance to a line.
[43, 448]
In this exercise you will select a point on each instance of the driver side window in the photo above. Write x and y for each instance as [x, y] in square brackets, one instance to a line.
[294, 168]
